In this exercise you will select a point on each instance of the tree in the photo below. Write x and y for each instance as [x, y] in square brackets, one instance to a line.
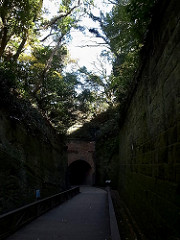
[124, 29]
[37, 74]
[17, 19]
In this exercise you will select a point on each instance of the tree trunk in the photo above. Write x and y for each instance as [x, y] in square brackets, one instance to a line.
[21, 46]
[4, 41]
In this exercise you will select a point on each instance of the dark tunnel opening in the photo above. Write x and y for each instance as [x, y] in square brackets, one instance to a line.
[79, 173]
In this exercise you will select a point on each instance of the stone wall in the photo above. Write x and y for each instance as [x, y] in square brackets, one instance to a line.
[149, 158]
[81, 150]
[32, 155]
[107, 160]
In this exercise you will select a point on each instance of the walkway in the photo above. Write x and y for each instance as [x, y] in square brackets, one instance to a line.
[84, 217]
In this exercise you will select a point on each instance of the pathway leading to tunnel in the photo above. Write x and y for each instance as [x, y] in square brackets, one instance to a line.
[84, 217]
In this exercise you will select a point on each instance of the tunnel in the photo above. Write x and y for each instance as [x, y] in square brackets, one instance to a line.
[80, 173]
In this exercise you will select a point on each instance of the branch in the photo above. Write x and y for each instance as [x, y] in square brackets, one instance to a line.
[50, 34]
[92, 45]
[112, 2]
[21, 46]
[4, 40]
[96, 33]
[49, 61]
[62, 15]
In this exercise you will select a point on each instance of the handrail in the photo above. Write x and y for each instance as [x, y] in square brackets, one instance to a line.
[12, 221]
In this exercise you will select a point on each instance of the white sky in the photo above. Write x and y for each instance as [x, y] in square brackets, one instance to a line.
[86, 56]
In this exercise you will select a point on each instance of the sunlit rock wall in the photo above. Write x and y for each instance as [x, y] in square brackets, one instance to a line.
[149, 160]
[32, 155]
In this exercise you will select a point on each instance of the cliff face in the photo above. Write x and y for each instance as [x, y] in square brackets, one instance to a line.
[145, 168]
[149, 147]
[32, 155]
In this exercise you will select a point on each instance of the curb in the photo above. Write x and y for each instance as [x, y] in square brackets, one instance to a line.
[115, 235]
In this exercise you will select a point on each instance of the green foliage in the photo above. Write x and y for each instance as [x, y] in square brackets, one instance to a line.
[37, 75]
[125, 27]
[140, 13]
[53, 94]
[17, 19]
[7, 72]
[86, 100]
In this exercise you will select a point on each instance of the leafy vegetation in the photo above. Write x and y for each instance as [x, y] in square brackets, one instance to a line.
[32, 67]
[35, 68]
[17, 22]
[124, 30]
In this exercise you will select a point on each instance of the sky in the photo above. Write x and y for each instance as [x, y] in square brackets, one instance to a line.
[84, 55]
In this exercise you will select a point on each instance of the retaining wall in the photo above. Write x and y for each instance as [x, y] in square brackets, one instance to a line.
[32, 155]
[149, 148]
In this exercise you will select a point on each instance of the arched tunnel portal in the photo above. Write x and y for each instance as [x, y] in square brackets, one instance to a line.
[81, 165]
[80, 173]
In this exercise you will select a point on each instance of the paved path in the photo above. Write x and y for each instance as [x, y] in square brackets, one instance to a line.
[84, 217]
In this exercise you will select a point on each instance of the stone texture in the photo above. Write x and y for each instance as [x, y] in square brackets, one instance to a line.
[81, 150]
[30, 159]
[84, 151]
[149, 148]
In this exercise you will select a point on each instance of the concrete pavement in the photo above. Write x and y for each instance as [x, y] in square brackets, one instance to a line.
[84, 217]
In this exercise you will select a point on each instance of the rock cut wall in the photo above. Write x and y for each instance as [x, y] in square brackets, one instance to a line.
[32, 155]
[149, 148]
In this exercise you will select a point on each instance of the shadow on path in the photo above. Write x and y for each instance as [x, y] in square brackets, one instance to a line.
[84, 217]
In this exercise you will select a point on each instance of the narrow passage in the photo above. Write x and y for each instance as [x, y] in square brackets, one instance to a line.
[84, 217]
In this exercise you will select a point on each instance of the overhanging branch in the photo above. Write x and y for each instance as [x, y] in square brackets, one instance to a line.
[62, 15]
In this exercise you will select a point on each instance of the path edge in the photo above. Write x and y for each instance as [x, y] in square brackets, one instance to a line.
[115, 235]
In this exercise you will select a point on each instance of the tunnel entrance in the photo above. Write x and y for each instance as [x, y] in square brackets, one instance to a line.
[79, 173]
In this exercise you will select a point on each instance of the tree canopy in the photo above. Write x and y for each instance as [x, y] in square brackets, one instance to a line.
[34, 54]
[124, 29]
